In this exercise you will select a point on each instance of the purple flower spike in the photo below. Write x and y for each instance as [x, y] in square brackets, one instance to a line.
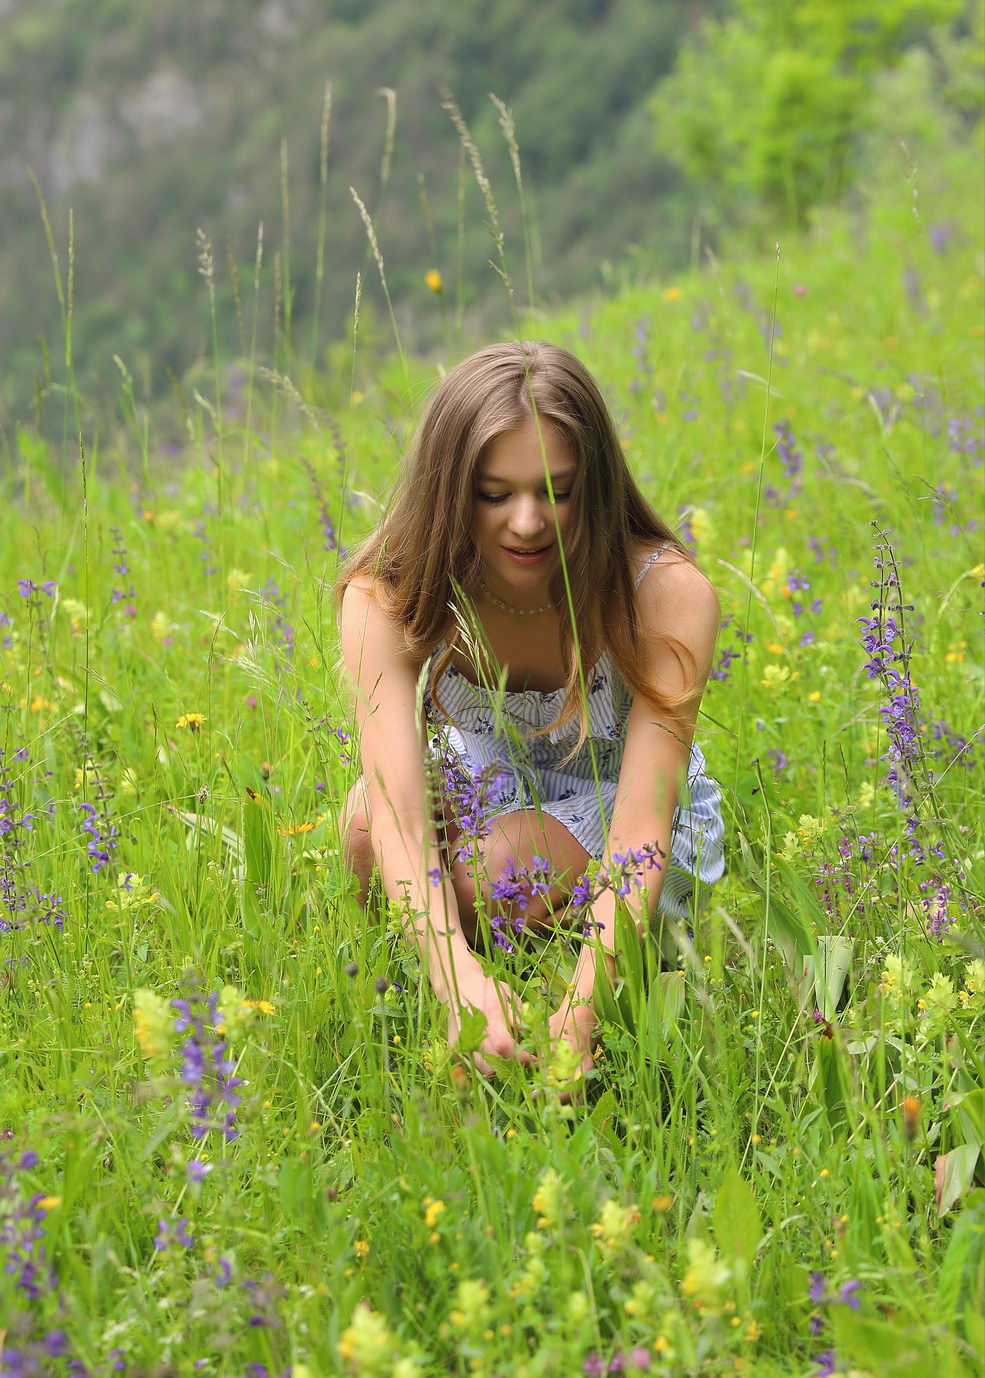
[818, 1289]
[849, 1294]
[828, 1365]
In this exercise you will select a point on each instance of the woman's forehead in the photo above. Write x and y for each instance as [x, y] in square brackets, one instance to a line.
[524, 453]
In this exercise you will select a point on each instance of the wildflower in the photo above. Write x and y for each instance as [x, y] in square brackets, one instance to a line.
[237, 578]
[433, 280]
[205, 1067]
[263, 1006]
[361, 1247]
[938, 1004]
[132, 892]
[433, 1210]
[791, 846]
[154, 1027]
[162, 628]
[77, 614]
[122, 569]
[296, 829]
[673, 293]
[614, 1227]
[193, 721]
[897, 977]
[280, 629]
[810, 828]
[848, 1295]
[706, 1275]
[169, 1233]
[776, 676]
[550, 1200]
[264, 1294]
[101, 843]
[471, 1311]
[974, 982]
[27, 588]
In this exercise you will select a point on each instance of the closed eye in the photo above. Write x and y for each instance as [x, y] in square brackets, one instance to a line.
[494, 500]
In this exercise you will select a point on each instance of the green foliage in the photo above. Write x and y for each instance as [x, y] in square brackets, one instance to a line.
[383, 1210]
[152, 122]
[766, 107]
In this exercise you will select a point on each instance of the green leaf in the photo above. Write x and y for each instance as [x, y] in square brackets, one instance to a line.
[738, 1227]
[829, 1077]
[969, 1111]
[953, 1175]
[472, 1030]
[831, 967]
[962, 1273]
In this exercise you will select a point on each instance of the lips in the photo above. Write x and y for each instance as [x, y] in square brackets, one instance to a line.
[525, 550]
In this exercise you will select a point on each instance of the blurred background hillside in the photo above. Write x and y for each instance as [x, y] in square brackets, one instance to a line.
[648, 130]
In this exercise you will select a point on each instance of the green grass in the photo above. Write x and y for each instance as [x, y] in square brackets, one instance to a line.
[732, 1141]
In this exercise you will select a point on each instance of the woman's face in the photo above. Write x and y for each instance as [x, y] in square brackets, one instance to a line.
[516, 526]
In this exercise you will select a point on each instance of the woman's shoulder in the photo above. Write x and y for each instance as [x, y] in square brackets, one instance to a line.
[672, 588]
[368, 619]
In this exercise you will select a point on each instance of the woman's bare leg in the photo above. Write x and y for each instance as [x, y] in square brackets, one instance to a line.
[515, 839]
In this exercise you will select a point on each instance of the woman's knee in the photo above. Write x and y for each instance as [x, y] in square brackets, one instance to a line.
[357, 842]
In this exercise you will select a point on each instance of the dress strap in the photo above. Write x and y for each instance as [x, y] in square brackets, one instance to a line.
[650, 560]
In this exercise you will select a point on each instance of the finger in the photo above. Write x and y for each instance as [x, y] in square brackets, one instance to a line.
[481, 1065]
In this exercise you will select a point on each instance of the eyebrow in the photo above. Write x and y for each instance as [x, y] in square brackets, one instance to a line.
[560, 477]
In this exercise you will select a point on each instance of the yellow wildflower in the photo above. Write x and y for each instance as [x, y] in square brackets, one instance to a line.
[264, 1006]
[194, 721]
[366, 1345]
[293, 829]
[614, 1227]
[77, 614]
[161, 626]
[432, 1210]
[810, 828]
[471, 1311]
[791, 847]
[434, 280]
[706, 1276]
[237, 578]
[132, 892]
[975, 986]
[549, 1200]
[154, 1027]
[48, 1203]
[776, 676]
[673, 293]
[938, 1004]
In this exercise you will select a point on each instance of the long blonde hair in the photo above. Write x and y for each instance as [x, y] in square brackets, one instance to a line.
[423, 550]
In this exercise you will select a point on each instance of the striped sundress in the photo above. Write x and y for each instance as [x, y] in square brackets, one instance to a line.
[533, 773]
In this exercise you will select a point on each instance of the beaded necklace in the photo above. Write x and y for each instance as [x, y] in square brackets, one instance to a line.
[517, 612]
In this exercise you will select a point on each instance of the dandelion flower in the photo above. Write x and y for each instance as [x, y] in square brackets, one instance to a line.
[193, 721]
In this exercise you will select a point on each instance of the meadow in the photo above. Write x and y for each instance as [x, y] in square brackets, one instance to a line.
[233, 1139]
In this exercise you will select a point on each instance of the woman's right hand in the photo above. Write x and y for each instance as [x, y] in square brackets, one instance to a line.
[498, 1003]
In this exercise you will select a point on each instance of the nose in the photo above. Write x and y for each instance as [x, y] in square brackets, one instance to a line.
[526, 518]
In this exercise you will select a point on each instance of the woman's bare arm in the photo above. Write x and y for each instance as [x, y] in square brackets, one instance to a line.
[402, 830]
[682, 605]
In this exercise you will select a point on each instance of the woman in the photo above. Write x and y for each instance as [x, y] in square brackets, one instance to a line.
[522, 610]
